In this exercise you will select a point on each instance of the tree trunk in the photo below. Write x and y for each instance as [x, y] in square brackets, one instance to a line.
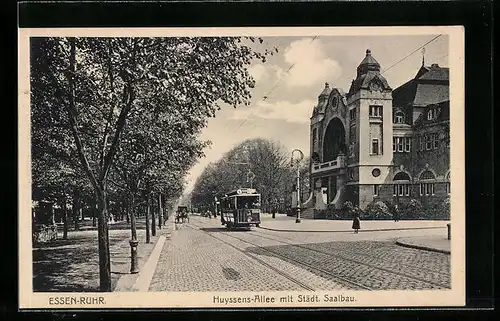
[160, 211]
[103, 236]
[131, 214]
[153, 219]
[75, 210]
[65, 218]
[148, 207]
[127, 211]
[94, 212]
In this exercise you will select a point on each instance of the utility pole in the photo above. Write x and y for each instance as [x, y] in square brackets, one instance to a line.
[299, 159]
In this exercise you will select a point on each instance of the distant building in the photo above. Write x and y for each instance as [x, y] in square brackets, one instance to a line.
[375, 143]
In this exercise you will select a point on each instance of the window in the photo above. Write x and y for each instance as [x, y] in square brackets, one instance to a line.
[375, 111]
[375, 190]
[436, 141]
[422, 142]
[427, 174]
[401, 144]
[433, 113]
[407, 144]
[428, 142]
[401, 176]
[399, 117]
[352, 115]
[375, 146]
[426, 189]
[401, 190]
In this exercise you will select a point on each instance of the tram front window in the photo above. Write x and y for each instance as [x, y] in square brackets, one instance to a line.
[248, 202]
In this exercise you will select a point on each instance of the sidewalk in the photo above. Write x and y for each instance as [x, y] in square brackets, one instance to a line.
[73, 264]
[439, 244]
[283, 223]
[146, 261]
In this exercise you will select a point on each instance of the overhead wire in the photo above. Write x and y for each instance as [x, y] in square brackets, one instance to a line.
[410, 54]
[266, 96]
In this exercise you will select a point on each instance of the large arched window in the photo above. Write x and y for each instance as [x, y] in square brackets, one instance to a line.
[334, 143]
[399, 117]
[427, 174]
[401, 176]
[402, 188]
[426, 189]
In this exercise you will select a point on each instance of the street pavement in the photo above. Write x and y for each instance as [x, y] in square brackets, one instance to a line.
[202, 256]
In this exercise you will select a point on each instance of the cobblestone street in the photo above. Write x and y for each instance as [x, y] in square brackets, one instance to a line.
[203, 256]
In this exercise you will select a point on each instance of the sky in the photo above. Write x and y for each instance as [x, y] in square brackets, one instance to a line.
[288, 84]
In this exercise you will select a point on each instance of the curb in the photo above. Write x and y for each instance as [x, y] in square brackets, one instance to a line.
[350, 231]
[146, 275]
[421, 247]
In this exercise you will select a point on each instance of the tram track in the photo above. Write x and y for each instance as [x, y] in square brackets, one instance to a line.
[350, 284]
[255, 258]
[439, 285]
[267, 236]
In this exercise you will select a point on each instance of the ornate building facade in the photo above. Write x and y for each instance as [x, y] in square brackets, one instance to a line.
[378, 143]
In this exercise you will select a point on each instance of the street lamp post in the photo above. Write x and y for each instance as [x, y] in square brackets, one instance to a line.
[250, 177]
[134, 261]
[299, 159]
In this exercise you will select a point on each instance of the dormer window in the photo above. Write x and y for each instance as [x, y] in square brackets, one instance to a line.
[433, 113]
[399, 117]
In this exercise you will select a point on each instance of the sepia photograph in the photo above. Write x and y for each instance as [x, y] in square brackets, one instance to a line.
[241, 167]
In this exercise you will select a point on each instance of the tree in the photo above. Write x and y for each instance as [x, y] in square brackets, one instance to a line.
[102, 82]
[267, 160]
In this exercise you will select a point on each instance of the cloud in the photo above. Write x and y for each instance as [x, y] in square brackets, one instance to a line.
[265, 73]
[311, 65]
[279, 110]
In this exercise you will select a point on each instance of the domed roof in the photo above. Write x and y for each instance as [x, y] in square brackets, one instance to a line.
[368, 71]
[368, 64]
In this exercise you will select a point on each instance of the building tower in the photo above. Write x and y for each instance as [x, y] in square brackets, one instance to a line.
[369, 102]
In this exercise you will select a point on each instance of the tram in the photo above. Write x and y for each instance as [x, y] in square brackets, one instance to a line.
[240, 209]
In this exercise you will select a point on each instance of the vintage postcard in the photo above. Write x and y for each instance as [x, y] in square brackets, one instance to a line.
[241, 167]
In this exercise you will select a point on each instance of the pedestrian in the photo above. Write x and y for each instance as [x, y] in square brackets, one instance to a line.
[356, 224]
[396, 213]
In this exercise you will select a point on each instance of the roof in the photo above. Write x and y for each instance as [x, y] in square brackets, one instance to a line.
[368, 71]
[436, 73]
[444, 106]
[368, 64]
[430, 86]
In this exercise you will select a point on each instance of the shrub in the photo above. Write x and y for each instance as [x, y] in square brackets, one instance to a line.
[438, 209]
[378, 211]
[411, 210]
[349, 211]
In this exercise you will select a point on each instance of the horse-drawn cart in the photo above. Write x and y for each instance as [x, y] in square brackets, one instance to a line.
[182, 214]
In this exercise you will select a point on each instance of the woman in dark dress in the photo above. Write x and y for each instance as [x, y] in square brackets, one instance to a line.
[356, 223]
